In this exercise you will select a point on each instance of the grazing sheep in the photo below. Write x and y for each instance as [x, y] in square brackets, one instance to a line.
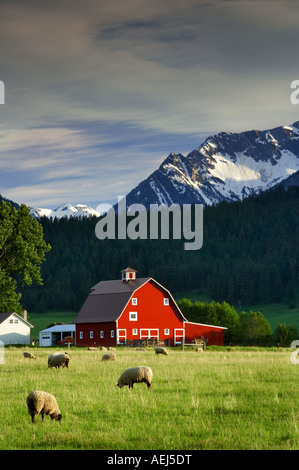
[29, 355]
[161, 351]
[111, 349]
[102, 348]
[91, 348]
[109, 357]
[135, 375]
[43, 403]
[58, 360]
[199, 350]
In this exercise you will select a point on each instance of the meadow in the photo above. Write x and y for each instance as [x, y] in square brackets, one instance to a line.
[223, 398]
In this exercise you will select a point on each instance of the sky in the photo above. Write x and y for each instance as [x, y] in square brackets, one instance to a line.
[99, 92]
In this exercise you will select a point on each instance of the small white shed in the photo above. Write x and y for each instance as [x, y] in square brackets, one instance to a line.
[14, 329]
[50, 336]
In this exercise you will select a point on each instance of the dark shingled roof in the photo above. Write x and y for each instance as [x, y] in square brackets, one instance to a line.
[107, 300]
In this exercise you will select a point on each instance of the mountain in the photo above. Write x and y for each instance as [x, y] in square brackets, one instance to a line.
[14, 204]
[227, 166]
[65, 210]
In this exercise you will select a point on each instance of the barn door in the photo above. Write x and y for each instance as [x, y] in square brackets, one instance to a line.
[179, 335]
[121, 335]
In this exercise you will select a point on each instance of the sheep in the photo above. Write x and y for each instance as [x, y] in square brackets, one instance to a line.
[29, 355]
[111, 349]
[102, 348]
[199, 350]
[58, 360]
[109, 357]
[135, 375]
[91, 348]
[161, 351]
[40, 402]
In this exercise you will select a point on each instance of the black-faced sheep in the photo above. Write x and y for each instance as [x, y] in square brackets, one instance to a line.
[29, 355]
[109, 357]
[58, 360]
[43, 403]
[135, 375]
[160, 350]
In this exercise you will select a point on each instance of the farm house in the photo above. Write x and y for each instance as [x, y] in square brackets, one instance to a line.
[56, 334]
[14, 329]
[132, 308]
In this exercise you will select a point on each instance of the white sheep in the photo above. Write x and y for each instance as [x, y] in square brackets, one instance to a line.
[109, 357]
[91, 348]
[102, 348]
[29, 355]
[43, 403]
[135, 375]
[58, 360]
[199, 350]
[111, 349]
[161, 351]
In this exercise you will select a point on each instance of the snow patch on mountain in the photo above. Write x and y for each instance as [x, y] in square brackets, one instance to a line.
[227, 166]
[65, 210]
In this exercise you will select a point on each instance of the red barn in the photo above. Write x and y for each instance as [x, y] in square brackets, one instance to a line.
[136, 308]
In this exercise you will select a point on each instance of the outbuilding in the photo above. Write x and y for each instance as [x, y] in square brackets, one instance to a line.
[55, 334]
[133, 308]
[14, 329]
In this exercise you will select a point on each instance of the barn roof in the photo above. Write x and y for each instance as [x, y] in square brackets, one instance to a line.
[59, 328]
[107, 299]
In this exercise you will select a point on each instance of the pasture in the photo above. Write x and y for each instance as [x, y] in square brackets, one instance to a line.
[233, 399]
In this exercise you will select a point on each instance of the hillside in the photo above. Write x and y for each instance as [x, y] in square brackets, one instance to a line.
[249, 256]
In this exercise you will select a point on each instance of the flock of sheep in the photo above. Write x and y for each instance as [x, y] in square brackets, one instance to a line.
[43, 403]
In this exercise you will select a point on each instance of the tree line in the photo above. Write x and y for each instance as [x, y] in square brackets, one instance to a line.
[249, 255]
[247, 329]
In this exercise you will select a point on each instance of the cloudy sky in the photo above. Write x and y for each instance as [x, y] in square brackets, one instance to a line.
[99, 92]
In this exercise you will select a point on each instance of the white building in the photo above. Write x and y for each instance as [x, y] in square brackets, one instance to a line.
[51, 336]
[14, 329]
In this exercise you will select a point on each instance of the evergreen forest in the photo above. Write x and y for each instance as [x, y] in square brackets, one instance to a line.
[249, 255]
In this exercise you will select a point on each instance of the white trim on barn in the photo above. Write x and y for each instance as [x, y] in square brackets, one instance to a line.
[50, 336]
[14, 329]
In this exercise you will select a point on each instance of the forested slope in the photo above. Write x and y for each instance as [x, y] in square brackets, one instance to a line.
[249, 255]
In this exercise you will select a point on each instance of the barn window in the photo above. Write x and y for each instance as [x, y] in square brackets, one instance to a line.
[166, 331]
[112, 333]
[166, 301]
[134, 301]
[134, 331]
[10, 321]
[133, 316]
[102, 334]
[91, 334]
[16, 321]
[81, 334]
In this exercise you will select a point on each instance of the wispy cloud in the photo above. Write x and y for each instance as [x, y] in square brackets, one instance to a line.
[101, 92]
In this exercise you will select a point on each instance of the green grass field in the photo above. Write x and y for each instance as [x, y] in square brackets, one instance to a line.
[220, 399]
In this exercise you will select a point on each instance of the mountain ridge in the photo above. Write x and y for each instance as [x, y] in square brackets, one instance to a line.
[226, 166]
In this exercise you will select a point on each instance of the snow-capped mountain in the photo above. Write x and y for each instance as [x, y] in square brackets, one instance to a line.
[65, 210]
[227, 166]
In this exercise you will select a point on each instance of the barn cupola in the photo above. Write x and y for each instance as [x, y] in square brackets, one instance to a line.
[128, 274]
